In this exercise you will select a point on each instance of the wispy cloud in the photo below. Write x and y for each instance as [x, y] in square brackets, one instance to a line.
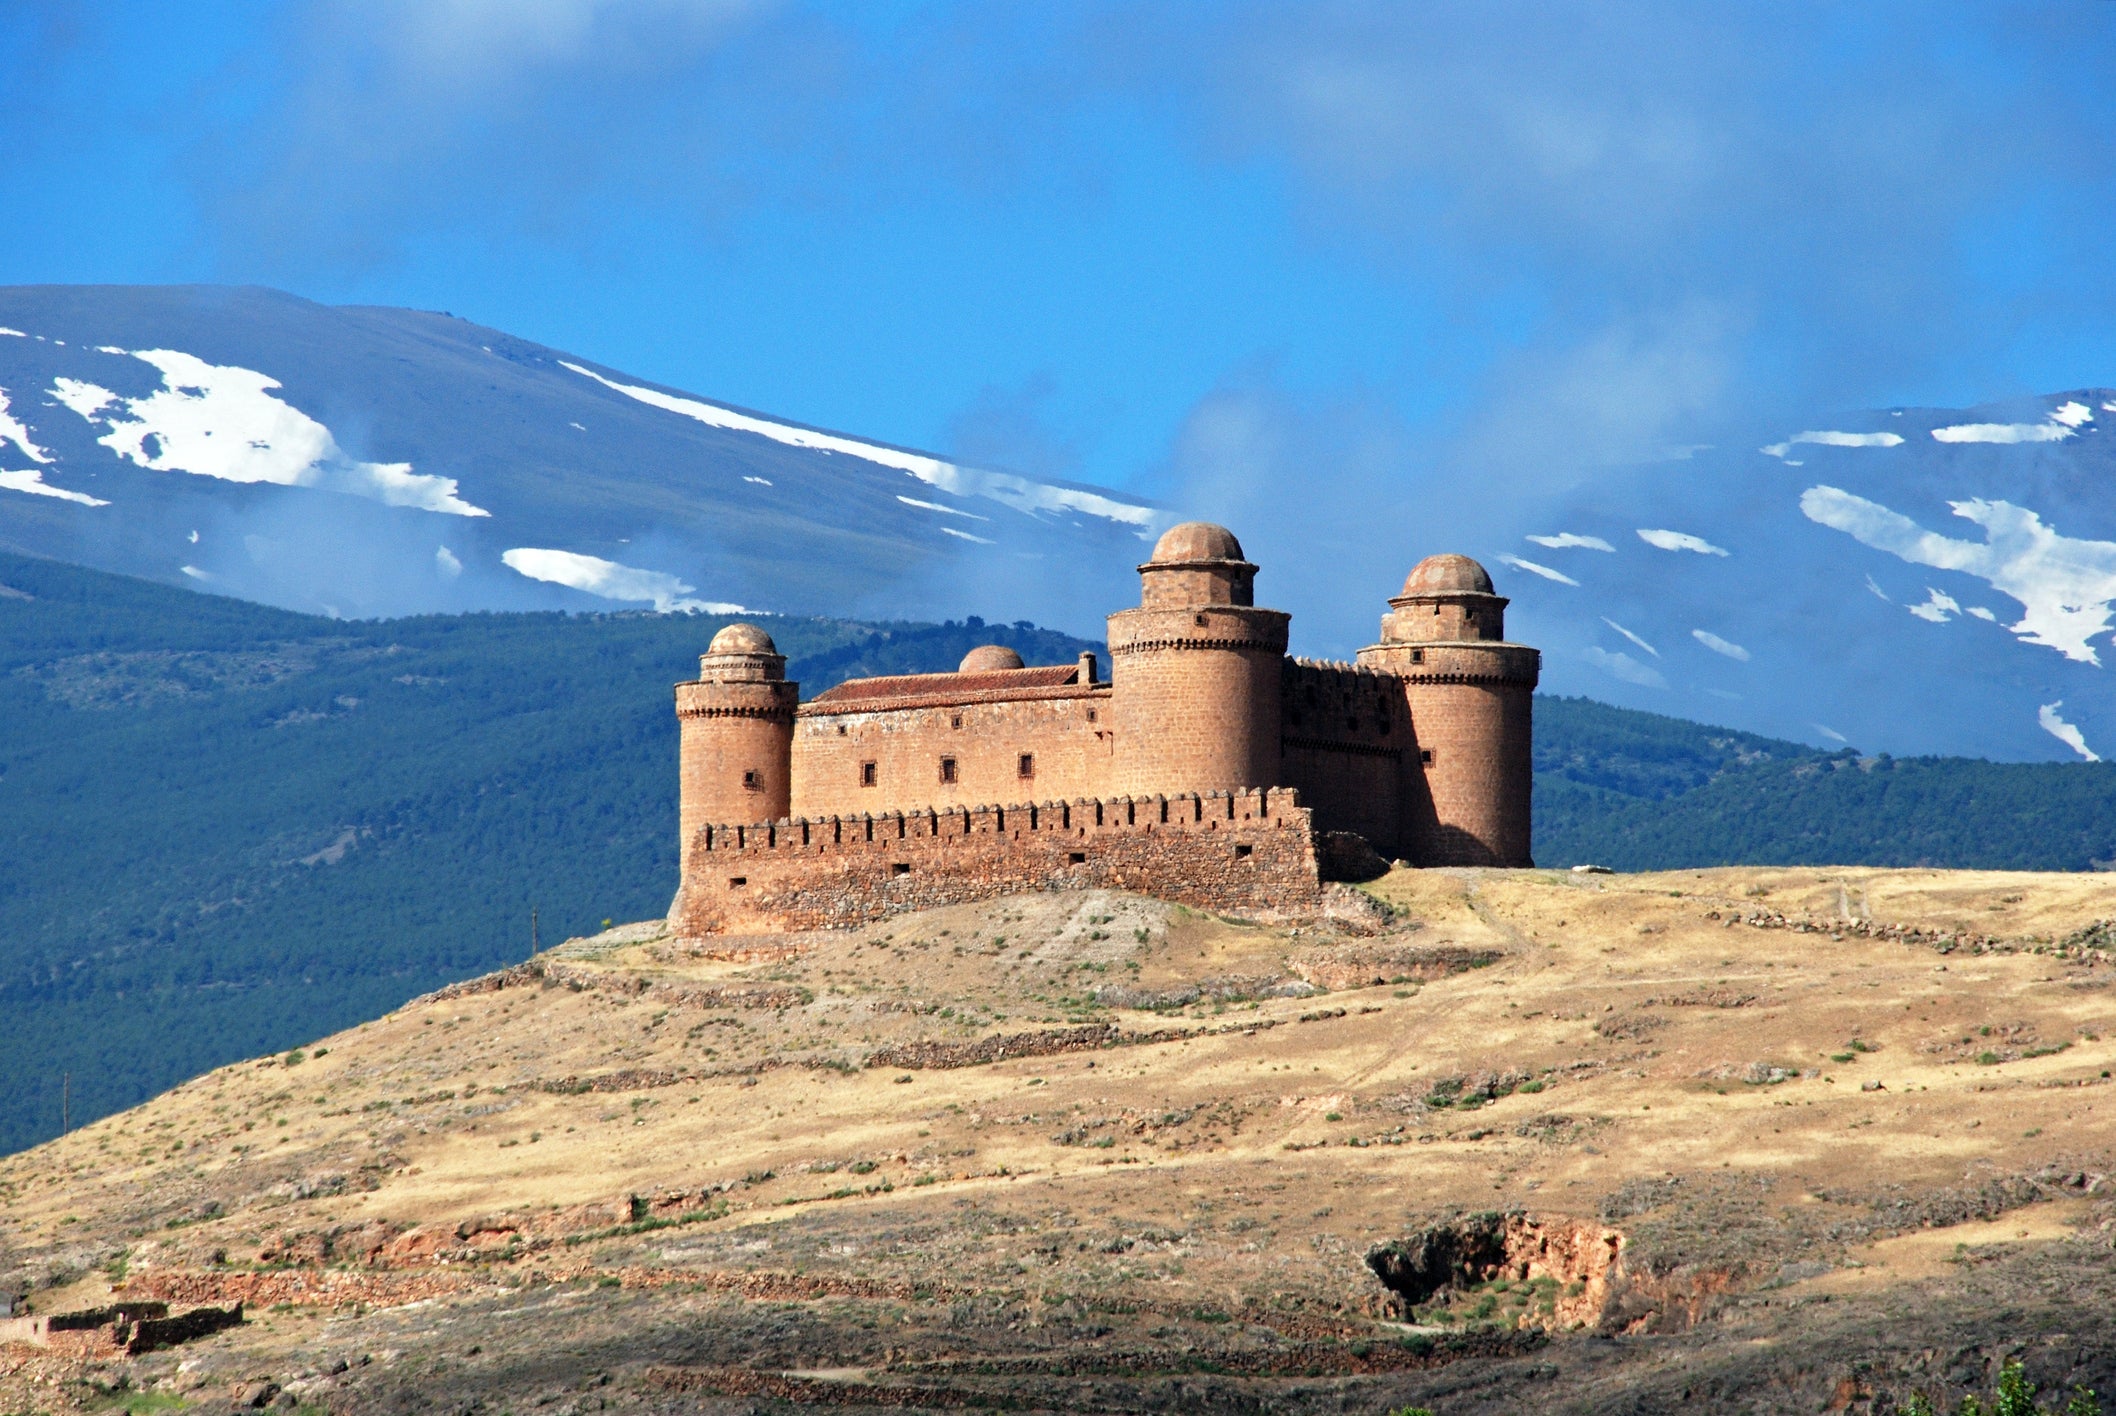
[1567, 540]
[1630, 636]
[1623, 667]
[2063, 731]
[1680, 541]
[1717, 645]
[1543, 570]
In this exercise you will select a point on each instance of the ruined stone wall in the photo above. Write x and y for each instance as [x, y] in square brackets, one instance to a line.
[1248, 851]
[1346, 731]
[1066, 734]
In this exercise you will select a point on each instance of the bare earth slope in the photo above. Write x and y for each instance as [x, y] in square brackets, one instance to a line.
[1488, 1141]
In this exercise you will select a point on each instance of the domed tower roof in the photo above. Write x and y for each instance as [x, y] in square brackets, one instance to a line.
[741, 653]
[742, 639]
[1195, 541]
[986, 658]
[1446, 575]
[1196, 563]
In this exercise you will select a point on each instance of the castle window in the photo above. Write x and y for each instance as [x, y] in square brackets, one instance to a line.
[841, 730]
[900, 867]
[1027, 766]
[753, 781]
[1417, 656]
[867, 774]
[1076, 857]
[1244, 852]
[736, 882]
[1425, 755]
[947, 769]
[956, 721]
[1091, 715]
[1201, 621]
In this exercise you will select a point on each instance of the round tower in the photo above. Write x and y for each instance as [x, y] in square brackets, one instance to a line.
[1467, 788]
[1196, 670]
[736, 723]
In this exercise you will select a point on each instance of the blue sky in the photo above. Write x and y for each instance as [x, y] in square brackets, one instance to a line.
[1338, 273]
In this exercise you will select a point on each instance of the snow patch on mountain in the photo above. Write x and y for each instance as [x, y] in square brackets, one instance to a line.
[1630, 636]
[1623, 667]
[222, 421]
[2065, 586]
[1680, 541]
[31, 480]
[2063, 731]
[2004, 432]
[943, 510]
[610, 580]
[1568, 540]
[1717, 645]
[1004, 487]
[1939, 606]
[1825, 438]
[1543, 570]
[12, 431]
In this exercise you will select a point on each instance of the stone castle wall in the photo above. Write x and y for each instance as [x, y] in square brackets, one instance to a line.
[1064, 733]
[1249, 851]
[1347, 732]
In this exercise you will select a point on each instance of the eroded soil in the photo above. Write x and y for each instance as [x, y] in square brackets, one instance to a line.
[1731, 1140]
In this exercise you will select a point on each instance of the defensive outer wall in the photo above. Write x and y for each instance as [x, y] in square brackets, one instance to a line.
[1210, 769]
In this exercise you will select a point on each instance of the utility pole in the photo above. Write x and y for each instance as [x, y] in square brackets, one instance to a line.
[532, 932]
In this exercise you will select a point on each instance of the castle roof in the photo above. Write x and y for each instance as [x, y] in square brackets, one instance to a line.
[1195, 541]
[987, 657]
[930, 690]
[1447, 575]
[742, 639]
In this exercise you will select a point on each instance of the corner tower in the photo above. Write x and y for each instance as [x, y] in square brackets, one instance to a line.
[1196, 670]
[736, 722]
[1467, 789]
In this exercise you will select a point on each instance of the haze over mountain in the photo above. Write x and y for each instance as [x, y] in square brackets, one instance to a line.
[364, 461]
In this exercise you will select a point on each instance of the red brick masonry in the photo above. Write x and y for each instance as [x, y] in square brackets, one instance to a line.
[1240, 852]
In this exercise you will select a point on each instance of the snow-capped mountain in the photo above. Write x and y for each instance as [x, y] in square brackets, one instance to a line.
[364, 461]
[1911, 580]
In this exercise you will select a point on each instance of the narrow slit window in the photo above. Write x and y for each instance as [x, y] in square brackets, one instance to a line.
[955, 721]
[1027, 765]
[736, 882]
[867, 774]
[947, 769]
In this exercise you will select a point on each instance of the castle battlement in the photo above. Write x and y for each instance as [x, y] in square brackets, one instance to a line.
[1209, 768]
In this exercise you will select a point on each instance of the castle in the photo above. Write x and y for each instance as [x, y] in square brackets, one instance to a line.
[1208, 767]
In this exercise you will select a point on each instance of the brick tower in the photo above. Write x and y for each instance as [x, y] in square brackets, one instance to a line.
[737, 724]
[1196, 670]
[1466, 792]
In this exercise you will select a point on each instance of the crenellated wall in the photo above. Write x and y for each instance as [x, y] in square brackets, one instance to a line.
[1346, 731]
[1225, 851]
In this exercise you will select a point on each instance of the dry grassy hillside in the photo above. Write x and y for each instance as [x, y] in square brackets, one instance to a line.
[1490, 1141]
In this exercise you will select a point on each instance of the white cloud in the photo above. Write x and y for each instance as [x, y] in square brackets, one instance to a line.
[1883, 594]
[31, 480]
[1004, 487]
[610, 580]
[221, 421]
[1624, 667]
[965, 536]
[18, 334]
[2071, 414]
[1630, 636]
[446, 561]
[2002, 433]
[1829, 439]
[1680, 541]
[1717, 645]
[2065, 586]
[1543, 570]
[1566, 540]
[760, 481]
[2063, 731]
[1939, 607]
[1983, 614]
[1829, 732]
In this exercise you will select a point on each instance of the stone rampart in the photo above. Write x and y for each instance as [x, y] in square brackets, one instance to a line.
[1243, 851]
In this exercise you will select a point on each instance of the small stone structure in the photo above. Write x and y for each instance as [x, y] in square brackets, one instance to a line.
[1209, 768]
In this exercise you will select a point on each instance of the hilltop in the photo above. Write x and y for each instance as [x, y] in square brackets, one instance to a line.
[1769, 1137]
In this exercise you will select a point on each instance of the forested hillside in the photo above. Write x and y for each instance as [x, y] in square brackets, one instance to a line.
[226, 829]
